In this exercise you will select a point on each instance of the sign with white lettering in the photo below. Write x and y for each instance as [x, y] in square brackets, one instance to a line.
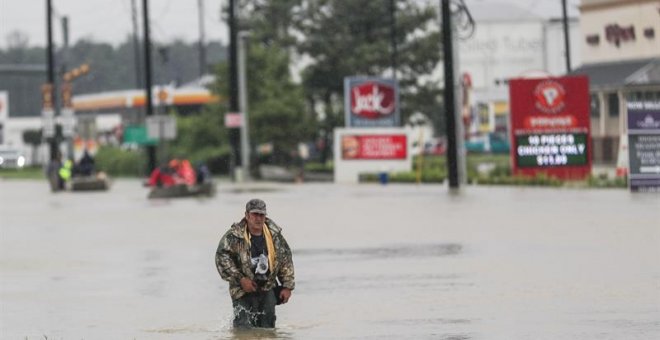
[370, 150]
[161, 127]
[371, 102]
[68, 121]
[48, 121]
[540, 150]
[550, 127]
[233, 119]
[644, 146]
[376, 146]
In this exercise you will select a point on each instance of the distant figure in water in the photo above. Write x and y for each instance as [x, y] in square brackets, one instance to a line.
[86, 165]
[252, 256]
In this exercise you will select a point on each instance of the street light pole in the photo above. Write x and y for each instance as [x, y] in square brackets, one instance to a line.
[242, 80]
[233, 89]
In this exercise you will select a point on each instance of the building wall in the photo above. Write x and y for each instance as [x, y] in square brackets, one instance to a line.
[15, 126]
[500, 50]
[511, 47]
[617, 31]
[555, 51]
[620, 30]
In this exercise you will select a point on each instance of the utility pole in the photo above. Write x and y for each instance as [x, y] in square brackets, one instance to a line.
[449, 96]
[242, 80]
[49, 88]
[233, 89]
[567, 42]
[136, 46]
[202, 48]
[67, 113]
[151, 149]
[393, 36]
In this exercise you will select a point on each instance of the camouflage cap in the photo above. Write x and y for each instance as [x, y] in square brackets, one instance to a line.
[256, 205]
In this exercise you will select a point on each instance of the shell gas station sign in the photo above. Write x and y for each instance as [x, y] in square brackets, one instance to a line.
[550, 127]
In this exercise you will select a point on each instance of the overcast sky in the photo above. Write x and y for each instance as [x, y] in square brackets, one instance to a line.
[110, 20]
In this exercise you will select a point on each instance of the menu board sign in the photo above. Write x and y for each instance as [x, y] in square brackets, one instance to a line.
[550, 127]
[644, 146]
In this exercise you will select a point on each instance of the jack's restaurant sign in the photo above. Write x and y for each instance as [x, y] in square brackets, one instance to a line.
[371, 102]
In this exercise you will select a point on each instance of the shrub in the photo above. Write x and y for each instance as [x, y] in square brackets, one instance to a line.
[121, 162]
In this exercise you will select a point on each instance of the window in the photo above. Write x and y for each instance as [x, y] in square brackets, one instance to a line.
[595, 106]
[613, 104]
[651, 96]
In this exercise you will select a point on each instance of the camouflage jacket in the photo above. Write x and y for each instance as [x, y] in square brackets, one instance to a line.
[232, 259]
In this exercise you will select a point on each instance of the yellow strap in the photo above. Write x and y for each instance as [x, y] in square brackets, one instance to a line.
[269, 244]
[270, 247]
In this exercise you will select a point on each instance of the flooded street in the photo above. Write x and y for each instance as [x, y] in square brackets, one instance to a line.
[372, 262]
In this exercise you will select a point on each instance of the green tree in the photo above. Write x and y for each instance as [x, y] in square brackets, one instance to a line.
[33, 137]
[276, 107]
[202, 138]
[350, 38]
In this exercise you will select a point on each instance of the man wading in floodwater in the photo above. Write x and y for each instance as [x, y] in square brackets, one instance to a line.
[252, 256]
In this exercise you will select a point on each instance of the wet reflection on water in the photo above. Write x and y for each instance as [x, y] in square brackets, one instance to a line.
[390, 251]
[372, 262]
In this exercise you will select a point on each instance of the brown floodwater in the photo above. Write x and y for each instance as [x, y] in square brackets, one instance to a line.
[372, 262]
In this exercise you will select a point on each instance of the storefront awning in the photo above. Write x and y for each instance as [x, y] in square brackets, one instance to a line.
[615, 75]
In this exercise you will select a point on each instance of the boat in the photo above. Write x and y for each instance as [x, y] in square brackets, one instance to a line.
[183, 190]
[89, 183]
[97, 182]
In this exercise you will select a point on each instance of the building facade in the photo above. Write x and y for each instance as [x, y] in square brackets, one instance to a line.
[620, 49]
[508, 42]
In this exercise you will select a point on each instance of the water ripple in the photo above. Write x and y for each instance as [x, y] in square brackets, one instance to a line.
[387, 252]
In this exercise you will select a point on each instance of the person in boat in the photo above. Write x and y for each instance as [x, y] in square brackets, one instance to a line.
[65, 172]
[86, 165]
[164, 176]
[252, 256]
[203, 173]
[185, 171]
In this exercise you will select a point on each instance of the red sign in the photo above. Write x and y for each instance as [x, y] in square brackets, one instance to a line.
[549, 96]
[550, 127]
[374, 147]
[373, 100]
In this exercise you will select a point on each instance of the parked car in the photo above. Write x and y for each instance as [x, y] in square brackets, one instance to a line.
[11, 158]
[436, 146]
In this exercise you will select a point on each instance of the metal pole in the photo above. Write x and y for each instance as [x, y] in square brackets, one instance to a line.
[567, 42]
[449, 96]
[64, 67]
[151, 149]
[202, 48]
[245, 137]
[54, 148]
[136, 46]
[393, 36]
[233, 88]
